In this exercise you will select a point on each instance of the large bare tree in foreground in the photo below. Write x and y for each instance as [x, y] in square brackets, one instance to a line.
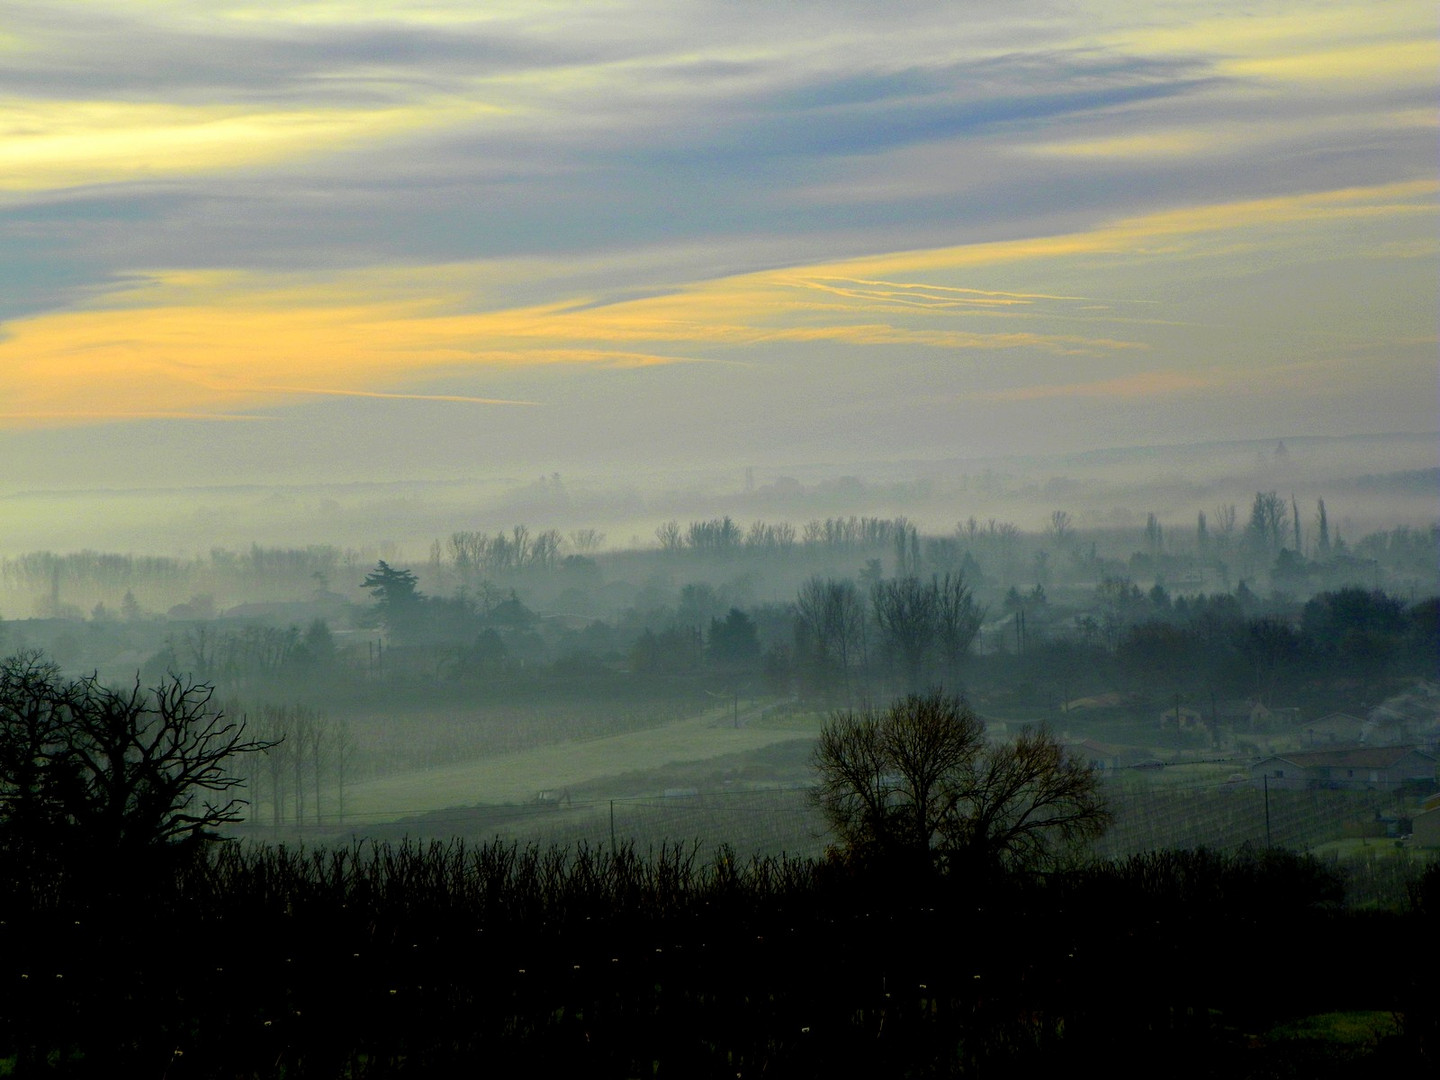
[113, 771]
[918, 782]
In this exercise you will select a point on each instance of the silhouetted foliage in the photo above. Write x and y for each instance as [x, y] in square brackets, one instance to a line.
[396, 594]
[829, 635]
[733, 641]
[926, 624]
[424, 960]
[1266, 530]
[33, 776]
[89, 772]
[905, 612]
[918, 784]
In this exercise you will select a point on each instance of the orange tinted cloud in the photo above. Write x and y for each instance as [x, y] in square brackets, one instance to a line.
[228, 343]
[460, 399]
[209, 358]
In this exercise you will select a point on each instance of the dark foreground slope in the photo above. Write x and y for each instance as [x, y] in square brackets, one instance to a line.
[445, 960]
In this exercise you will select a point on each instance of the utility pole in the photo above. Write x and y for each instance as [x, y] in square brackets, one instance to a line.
[1266, 782]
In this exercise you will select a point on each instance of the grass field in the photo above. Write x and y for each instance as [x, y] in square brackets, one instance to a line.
[1357, 847]
[719, 778]
[518, 777]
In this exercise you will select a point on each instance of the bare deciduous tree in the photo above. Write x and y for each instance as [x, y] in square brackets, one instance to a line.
[834, 619]
[1061, 528]
[32, 725]
[118, 771]
[345, 751]
[957, 621]
[1268, 517]
[670, 537]
[587, 540]
[1028, 804]
[922, 621]
[1225, 518]
[151, 766]
[918, 783]
[905, 613]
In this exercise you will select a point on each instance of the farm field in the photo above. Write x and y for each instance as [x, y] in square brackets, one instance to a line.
[722, 778]
[518, 777]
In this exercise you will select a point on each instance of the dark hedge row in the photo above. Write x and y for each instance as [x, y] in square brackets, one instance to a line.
[445, 960]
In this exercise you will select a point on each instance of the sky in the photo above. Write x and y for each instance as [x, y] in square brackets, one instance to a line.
[291, 242]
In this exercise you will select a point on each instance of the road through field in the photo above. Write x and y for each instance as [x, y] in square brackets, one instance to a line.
[518, 777]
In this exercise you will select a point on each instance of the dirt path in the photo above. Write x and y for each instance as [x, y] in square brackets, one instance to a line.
[518, 777]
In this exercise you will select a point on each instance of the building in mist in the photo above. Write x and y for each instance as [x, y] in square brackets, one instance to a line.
[1355, 768]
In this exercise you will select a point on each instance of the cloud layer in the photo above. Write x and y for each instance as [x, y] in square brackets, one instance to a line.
[1075, 223]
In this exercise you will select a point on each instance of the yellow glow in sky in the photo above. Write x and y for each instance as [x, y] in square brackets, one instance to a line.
[69, 143]
[783, 216]
[1287, 29]
[1377, 64]
[207, 343]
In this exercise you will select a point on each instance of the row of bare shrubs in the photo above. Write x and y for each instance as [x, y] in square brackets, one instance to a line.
[498, 881]
[438, 959]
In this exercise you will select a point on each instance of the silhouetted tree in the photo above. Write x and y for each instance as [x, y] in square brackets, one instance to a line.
[397, 597]
[1266, 530]
[1356, 632]
[1272, 648]
[587, 540]
[1154, 534]
[925, 621]
[1028, 806]
[670, 537]
[317, 646]
[958, 618]
[1061, 528]
[905, 613]
[733, 640]
[831, 635]
[918, 785]
[115, 772]
[889, 780]
[33, 723]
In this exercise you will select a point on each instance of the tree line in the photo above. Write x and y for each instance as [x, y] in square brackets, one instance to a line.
[1278, 542]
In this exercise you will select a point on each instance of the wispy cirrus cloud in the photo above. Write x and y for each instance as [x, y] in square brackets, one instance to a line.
[254, 207]
[69, 417]
[458, 399]
[202, 341]
[931, 296]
